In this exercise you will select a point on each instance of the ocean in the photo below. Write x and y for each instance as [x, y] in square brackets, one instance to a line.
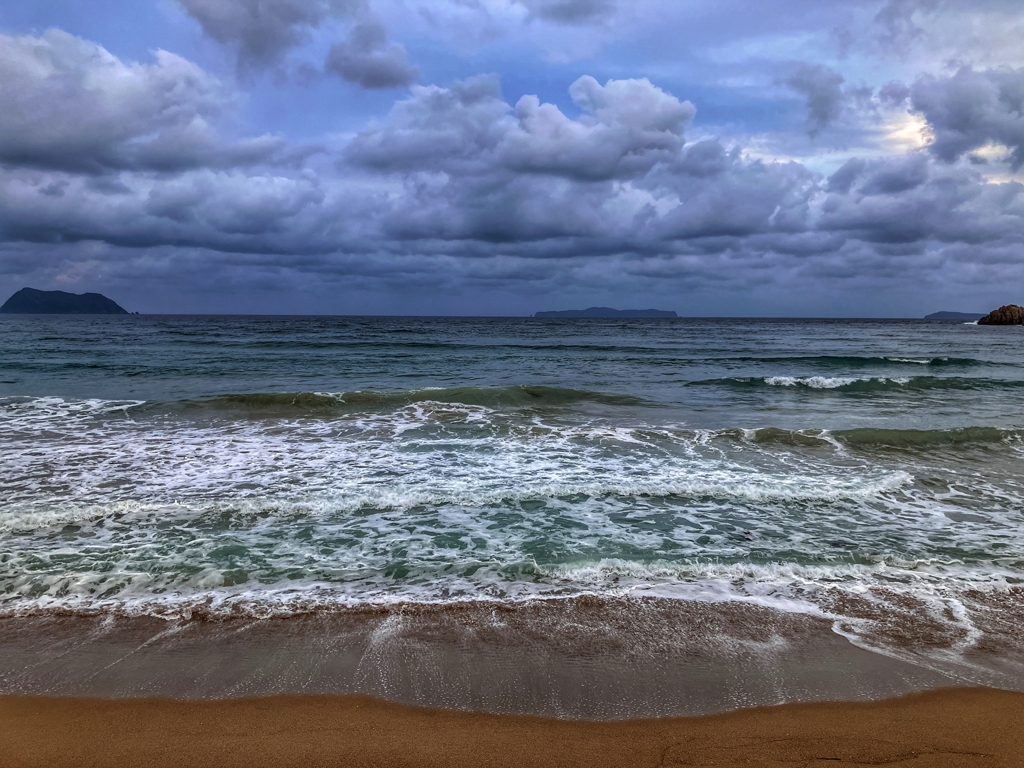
[599, 518]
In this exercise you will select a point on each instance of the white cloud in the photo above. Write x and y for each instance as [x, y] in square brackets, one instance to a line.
[70, 104]
[626, 126]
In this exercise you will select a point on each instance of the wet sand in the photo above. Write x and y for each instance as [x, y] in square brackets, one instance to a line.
[581, 659]
[631, 683]
[945, 727]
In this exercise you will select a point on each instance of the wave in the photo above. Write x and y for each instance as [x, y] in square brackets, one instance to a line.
[846, 362]
[290, 404]
[866, 384]
[831, 382]
[697, 483]
[869, 437]
[516, 396]
[925, 438]
[55, 412]
[51, 415]
[850, 594]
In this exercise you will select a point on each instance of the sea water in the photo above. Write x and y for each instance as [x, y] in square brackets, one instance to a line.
[865, 475]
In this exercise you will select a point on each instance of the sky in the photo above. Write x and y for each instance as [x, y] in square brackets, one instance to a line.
[856, 158]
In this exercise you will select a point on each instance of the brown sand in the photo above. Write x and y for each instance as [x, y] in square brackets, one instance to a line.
[949, 727]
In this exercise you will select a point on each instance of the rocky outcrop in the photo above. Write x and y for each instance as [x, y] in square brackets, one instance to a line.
[1011, 314]
[29, 301]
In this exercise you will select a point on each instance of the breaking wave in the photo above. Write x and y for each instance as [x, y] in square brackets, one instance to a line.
[867, 384]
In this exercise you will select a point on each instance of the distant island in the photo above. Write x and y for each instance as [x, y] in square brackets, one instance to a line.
[954, 316]
[29, 301]
[607, 312]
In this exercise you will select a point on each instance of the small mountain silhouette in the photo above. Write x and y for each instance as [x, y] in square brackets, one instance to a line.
[29, 301]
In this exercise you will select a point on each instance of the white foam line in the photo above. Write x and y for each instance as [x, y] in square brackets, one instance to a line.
[830, 382]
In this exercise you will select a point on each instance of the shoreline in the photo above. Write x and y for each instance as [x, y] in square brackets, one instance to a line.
[942, 727]
[583, 658]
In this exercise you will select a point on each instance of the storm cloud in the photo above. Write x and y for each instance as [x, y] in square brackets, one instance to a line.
[460, 170]
[570, 11]
[971, 109]
[601, 181]
[821, 87]
[370, 60]
[263, 31]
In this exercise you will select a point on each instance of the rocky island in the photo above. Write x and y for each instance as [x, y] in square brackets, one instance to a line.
[29, 301]
[606, 312]
[1008, 314]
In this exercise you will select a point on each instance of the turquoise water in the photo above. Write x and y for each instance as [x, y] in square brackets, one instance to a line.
[864, 471]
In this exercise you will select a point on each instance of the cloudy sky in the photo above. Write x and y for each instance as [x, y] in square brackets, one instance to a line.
[735, 157]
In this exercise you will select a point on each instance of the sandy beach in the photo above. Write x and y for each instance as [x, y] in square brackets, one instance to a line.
[947, 727]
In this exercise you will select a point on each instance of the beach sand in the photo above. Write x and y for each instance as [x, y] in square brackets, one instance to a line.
[945, 727]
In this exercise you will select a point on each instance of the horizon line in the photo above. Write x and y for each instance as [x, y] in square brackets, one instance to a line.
[474, 317]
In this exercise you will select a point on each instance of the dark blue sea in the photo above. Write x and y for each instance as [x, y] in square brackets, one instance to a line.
[866, 475]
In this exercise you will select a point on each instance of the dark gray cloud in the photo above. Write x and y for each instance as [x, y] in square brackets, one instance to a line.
[734, 198]
[894, 93]
[897, 175]
[842, 180]
[913, 200]
[971, 109]
[71, 105]
[822, 88]
[897, 23]
[452, 128]
[570, 11]
[264, 31]
[370, 60]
